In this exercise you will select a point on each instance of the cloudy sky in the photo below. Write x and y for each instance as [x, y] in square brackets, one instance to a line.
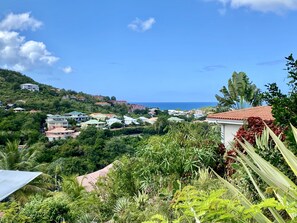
[149, 50]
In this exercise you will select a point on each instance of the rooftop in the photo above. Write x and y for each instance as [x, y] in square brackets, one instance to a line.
[92, 122]
[88, 181]
[11, 181]
[58, 130]
[263, 112]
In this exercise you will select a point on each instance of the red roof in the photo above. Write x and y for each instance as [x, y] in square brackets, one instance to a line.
[263, 112]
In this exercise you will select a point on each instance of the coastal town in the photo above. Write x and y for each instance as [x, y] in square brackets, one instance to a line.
[148, 111]
[68, 125]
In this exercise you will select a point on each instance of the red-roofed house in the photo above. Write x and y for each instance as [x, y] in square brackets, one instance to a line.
[231, 121]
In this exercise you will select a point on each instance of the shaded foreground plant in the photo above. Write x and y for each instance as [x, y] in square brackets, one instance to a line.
[283, 189]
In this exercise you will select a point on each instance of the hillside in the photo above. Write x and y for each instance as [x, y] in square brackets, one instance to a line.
[48, 99]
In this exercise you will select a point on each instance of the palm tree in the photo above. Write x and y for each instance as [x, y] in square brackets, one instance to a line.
[240, 93]
[13, 158]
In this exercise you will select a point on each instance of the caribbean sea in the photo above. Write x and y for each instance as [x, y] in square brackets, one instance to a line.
[176, 105]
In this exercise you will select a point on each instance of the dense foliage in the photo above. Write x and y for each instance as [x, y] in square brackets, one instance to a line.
[284, 107]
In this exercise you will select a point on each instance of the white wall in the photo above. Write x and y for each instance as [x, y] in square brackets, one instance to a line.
[229, 131]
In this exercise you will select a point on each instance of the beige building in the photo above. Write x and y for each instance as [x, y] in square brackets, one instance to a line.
[60, 133]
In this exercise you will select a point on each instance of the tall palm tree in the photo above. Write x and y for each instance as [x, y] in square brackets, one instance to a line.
[240, 93]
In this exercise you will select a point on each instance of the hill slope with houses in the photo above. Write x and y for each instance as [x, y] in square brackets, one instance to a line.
[18, 90]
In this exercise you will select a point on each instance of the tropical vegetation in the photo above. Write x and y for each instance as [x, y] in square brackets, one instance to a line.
[239, 93]
[168, 172]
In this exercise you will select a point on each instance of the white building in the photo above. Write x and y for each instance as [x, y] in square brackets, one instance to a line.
[56, 121]
[130, 121]
[30, 87]
[93, 122]
[111, 121]
[18, 109]
[77, 116]
[231, 121]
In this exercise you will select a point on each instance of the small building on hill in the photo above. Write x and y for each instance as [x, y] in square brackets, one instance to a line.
[18, 109]
[130, 121]
[117, 102]
[134, 107]
[77, 116]
[60, 133]
[30, 87]
[56, 121]
[103, 104]
[93, 122]
[112, 121]
[102, 117]
[231, 121]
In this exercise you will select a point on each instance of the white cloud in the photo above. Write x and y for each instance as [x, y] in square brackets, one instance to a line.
[21, 22]
[17, 53]
[141, 26]
[67, 70]
[276, 6]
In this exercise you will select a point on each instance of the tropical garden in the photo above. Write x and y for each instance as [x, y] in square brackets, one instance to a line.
[176, 173]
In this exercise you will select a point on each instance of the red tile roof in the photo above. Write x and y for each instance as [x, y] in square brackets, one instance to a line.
[264, 112]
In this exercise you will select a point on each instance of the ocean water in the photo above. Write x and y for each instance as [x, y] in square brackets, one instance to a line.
[176, 105]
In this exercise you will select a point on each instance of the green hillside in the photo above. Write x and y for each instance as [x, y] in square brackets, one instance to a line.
[48, 99]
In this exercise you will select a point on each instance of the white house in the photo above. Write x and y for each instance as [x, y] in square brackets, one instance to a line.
[111, 121]
[231, 121]
[130, 121]
[18, 109]
[30, 87]
[56, 121]
[77, 116]
[92, 122]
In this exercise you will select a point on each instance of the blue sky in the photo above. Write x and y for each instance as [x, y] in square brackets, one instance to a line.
[169, 50]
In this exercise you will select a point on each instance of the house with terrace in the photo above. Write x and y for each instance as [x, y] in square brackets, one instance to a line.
[231, 121]
[30, 87]
[77, 116]
[56, 121]
[60, 133]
